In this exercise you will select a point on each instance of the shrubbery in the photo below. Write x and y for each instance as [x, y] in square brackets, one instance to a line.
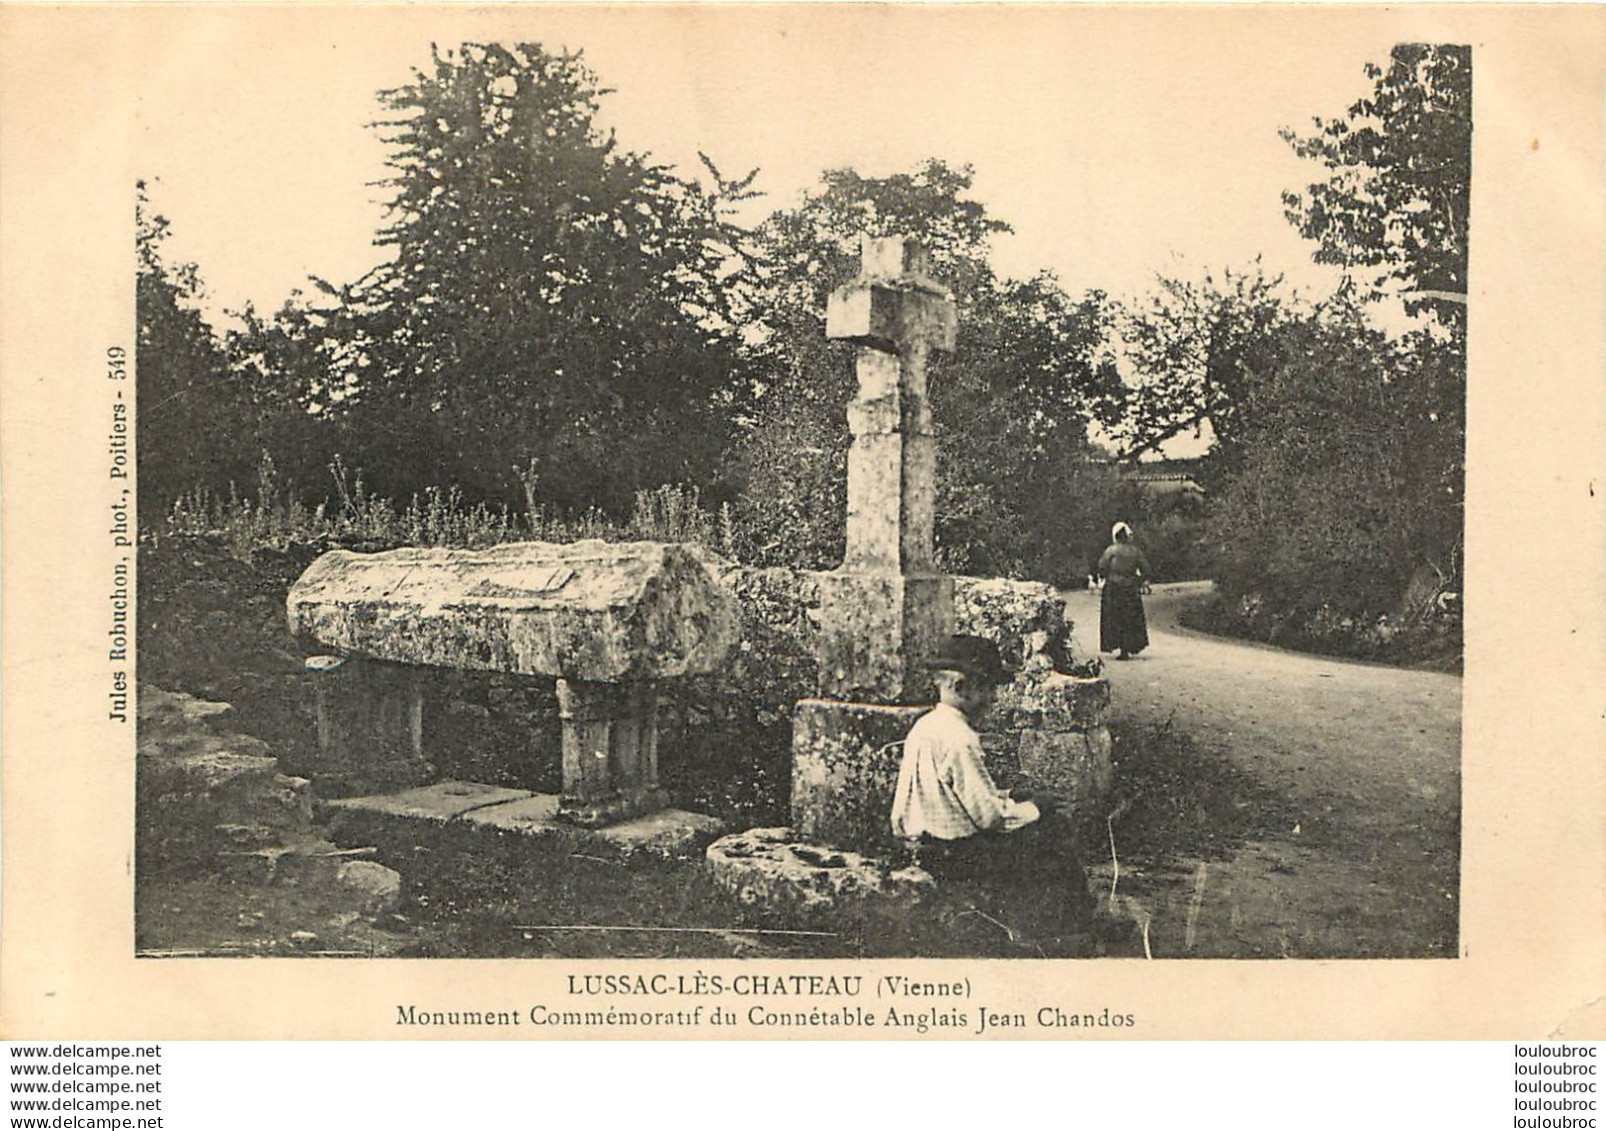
[275, 517]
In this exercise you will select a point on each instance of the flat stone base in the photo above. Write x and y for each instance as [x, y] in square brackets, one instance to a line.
[779, 878]
[514, 822]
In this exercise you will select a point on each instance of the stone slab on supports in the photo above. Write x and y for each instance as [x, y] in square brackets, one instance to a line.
[607, 621]
[608, 612]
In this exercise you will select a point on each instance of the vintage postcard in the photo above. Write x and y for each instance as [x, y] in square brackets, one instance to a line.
[803, 522]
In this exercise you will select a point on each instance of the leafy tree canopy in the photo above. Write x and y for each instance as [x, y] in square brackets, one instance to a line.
[1195, 350]
[1349, 491]
[1345, 503]
[554, 305]
[196, 420]
[1396, 196]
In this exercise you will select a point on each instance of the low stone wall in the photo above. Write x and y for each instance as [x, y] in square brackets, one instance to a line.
[726, 741]
[1026, 619]
[780, 623]
[842, 767]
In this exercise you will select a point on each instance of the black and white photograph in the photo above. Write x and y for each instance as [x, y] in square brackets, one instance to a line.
[631, 513]
[640, 487]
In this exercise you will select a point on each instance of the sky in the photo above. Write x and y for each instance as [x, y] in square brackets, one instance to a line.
[1118, 144]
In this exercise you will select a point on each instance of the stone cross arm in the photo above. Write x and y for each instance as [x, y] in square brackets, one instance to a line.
[893, 305]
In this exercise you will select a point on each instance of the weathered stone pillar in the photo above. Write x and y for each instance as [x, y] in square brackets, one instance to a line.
[610, 751]
[882, 613]
[370, 717]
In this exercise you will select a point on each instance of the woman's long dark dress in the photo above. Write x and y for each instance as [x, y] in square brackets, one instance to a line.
[1122, 625]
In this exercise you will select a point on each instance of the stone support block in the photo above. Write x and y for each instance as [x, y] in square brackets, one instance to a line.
[884, 378]
[1064, 743]
[370, 724]
[1073, 764]
[610, 751]
[845, 760]
[876, 632]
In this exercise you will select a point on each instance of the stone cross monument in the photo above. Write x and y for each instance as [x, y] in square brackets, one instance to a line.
[882, 613]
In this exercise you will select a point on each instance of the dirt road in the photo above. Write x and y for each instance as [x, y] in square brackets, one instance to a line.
[1338, 833]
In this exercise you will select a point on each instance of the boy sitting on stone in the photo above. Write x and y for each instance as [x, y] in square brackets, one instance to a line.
[968, 828]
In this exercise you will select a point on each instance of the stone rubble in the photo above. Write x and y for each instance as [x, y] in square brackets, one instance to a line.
[212, 803]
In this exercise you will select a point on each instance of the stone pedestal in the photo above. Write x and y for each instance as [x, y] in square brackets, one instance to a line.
[610, 751]
[370, 724]
[845, 760]
[876, 631]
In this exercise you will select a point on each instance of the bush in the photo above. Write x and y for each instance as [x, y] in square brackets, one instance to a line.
[1346, 512]
[274, 516]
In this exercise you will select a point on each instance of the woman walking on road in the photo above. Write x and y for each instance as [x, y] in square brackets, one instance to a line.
[1124, 570]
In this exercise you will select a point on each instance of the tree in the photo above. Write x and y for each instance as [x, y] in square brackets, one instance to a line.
[555, 305]
[301, 364]
[1335, 512]
[1196, 351]
[1396, 198]
[1336, 473]
[197, 421]
[1011, 404]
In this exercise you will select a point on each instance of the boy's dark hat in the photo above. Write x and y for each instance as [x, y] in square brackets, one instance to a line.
[976, 656]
